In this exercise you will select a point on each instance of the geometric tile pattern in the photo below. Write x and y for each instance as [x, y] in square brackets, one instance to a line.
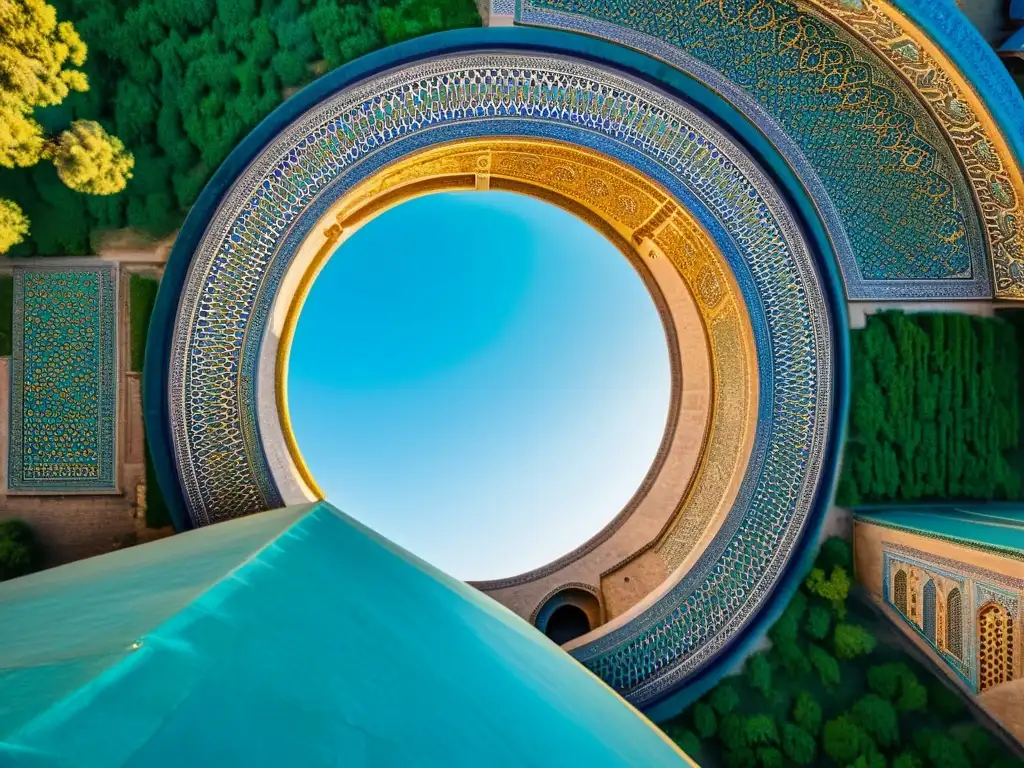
[237, 268]
[63, 380]
[905, 207]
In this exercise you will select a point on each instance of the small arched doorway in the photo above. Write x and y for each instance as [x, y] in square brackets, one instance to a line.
[566, 623]
[955, 624]
[569, 613]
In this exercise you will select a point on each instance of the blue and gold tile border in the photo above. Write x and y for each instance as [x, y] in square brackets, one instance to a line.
[971, 245]
[695, 632]
[63, 399]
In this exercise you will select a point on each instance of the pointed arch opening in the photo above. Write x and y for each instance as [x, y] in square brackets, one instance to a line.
[955, 624]
[928, 617]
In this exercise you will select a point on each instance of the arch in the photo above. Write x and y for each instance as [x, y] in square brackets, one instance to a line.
[750, 561]
[891, 54]
[955, 623]
[584, 616]
[567, 623]
[928, 615]
[995, 646]
[899, 591]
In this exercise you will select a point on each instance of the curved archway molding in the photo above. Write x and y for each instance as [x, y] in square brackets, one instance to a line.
[939, 140]
[723, 195]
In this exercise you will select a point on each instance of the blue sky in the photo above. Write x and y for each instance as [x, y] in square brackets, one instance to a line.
[480, 377]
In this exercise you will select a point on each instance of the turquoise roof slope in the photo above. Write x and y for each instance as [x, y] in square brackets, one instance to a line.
[294, 637]
[995, 527]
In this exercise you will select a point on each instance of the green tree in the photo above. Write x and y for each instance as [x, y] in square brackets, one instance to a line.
[871, 759]
[835, 552]
[807, 712]
[704, 720]
[37, 53]
[760, 730]
[835, 588]
[13, 225]
[913, 696]
[887, 679]
[19, 553]
[908, 760]
[732, 731]
[797, 744]
[37, 59]
[878, 717]
[724, 698]
[843, 740]
[759, 674]
[825, 664]
[852, 641]
[90, 160]
[942, 750]
[769, 757]
[688, 742]
[819, 621]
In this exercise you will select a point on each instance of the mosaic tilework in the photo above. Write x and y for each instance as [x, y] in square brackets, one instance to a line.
[64, 380]
[888, 170]
[977, 586]
[248, 243]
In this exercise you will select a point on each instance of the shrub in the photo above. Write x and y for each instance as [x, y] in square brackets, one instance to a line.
[913, 695]
[759, 674]
[942, 750]
[689, 743]
[90, 160]
[704, 720]
[843, 740]
[852, 641]
[732, 732]
[825, 664]
[835, 588]
[908, 760]
[786, 629]
[19, 553]
[886, 679]
[878, 717]
[797, 744]
[835, 553]
[934, 408]
[807, 712]
[761, 730]
[769, 757]
[724, 698]
[819, 621]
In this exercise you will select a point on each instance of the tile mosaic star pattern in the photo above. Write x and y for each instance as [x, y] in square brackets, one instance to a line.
[63, 380]
[905, 206]
[237, 269]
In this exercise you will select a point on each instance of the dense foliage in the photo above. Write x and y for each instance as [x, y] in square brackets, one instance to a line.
[6, 313]
[142, 291]
[828, 693]
[182, 81]
[19, 553]
[934, 410]
[39, 67]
